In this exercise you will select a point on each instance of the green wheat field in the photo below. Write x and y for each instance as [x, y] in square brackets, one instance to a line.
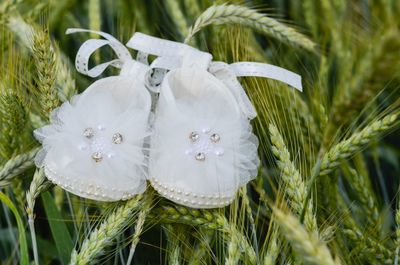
[327, 188]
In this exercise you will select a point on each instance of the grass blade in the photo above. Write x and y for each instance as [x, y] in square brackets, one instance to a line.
[59, 230]
[24, 260]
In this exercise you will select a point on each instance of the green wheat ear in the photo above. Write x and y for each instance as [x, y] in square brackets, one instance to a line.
[294, 183]
[16, 166]
[356, 142]
[307, 245]
[46, 65]
[140, 222]
[14, 119]
[38, 185]
[240, 15]
[109, 229]
[210, 219]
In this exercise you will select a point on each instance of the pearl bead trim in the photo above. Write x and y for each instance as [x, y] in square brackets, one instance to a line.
[89, 190]
[191, 199]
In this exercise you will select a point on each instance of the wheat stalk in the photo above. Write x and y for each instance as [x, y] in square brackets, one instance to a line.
[347, 148]
[139, 225]
[330, 16]
[362, 186]
[356, 142]
[65, 83]
[174, 253]
[192, 7]
[368, 247]
[305, 244]
[16, 166]
[107, 231]
[310, 16]
[233, 248]
[308, 122]
[234, 14]
[94, 15]
[175, 235]
[322, 115]
[7, 7]
[295, 186]
[207, 219]
[250, 217]
[14, 120]
[273, 248]
[46, 65]
[179, 19]
[353, 95]
[38, 185]
[201, 249]
[94, 10]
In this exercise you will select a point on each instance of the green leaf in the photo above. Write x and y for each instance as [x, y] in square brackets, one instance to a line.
[59, 229]
[23, 248]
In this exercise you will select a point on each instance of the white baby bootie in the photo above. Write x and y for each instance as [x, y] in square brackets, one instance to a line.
[93, 146]
[202, 146]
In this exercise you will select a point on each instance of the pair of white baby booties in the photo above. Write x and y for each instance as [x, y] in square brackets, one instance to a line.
[194, 143]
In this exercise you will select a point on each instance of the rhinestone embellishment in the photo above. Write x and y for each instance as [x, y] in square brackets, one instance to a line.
[100, 147]
[215, 138]
[88, 133]
[117, 138]
[194, 136]
[97, 157]
[203, 144]
[200, 157]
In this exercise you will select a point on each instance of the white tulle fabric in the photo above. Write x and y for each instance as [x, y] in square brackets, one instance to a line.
[193, 100]
[109, 106]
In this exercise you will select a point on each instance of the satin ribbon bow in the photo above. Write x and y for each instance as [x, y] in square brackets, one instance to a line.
[172, 55]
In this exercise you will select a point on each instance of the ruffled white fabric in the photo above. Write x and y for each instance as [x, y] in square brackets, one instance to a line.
[186, 165]
[99, 166]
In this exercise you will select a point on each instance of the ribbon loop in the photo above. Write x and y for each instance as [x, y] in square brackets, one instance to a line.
[174, 55]
[171, 54]
[90, 46]
[267, 71]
